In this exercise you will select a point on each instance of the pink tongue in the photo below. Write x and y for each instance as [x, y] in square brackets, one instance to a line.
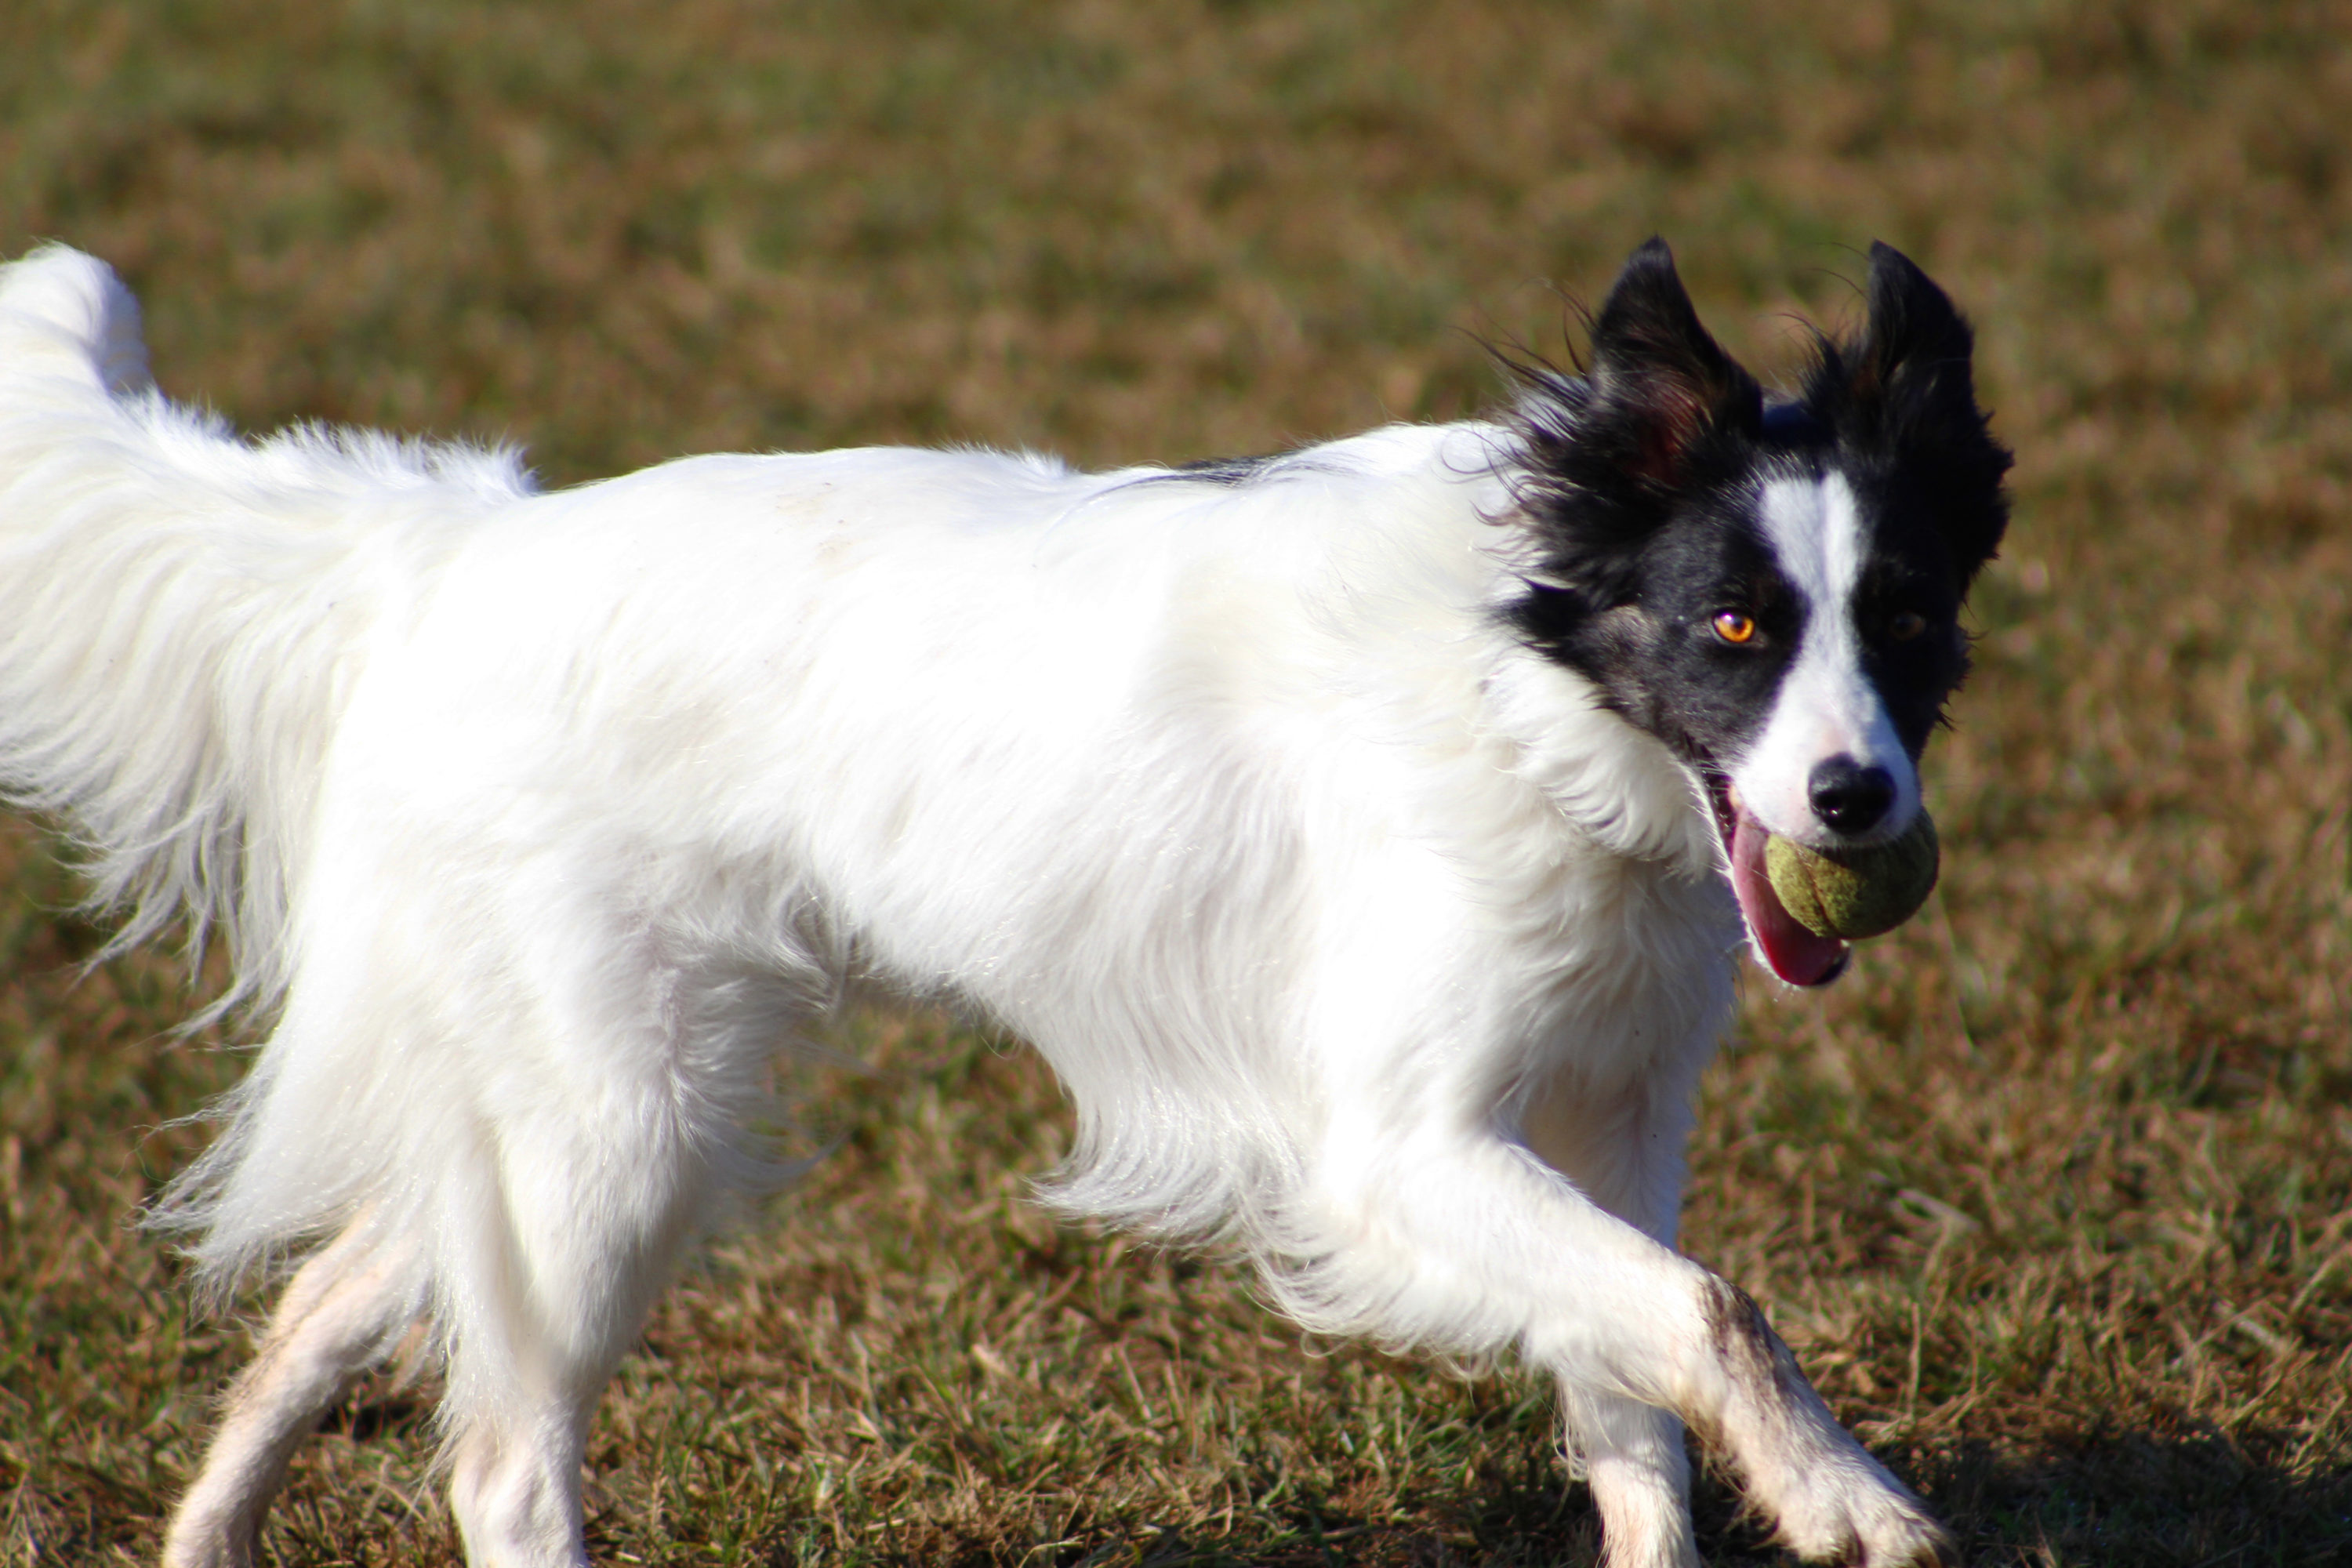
[1791, 951]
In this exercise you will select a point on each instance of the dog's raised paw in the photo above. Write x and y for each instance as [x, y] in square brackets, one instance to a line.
[1923, 1543]
[1855, 1513]
[1901, 1535]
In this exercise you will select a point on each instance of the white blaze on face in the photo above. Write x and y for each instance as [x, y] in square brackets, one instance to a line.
[1826, 704]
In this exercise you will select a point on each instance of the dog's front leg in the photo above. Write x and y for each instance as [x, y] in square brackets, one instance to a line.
[1632, 1459]
[1833, 1500]
[1462, 1238]
[1622, 1146]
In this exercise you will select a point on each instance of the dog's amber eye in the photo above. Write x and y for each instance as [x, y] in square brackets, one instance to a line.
[1733, 627]
[1905, 625]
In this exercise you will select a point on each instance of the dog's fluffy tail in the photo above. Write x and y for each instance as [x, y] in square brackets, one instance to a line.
[179, 611]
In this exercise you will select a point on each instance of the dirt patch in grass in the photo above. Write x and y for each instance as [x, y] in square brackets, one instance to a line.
[2051, 1196]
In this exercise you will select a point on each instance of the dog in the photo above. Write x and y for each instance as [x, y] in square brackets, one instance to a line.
[1366, 834]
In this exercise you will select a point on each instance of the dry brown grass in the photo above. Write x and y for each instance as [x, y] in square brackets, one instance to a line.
[2051, 1196]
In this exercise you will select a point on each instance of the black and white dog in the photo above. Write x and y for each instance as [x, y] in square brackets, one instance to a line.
[1364, 834]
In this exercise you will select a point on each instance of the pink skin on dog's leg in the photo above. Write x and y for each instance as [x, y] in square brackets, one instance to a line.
[342, 1310]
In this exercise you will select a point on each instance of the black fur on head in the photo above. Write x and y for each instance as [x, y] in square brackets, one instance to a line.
[1661, 411]
[1902, 399]
[1638, 479]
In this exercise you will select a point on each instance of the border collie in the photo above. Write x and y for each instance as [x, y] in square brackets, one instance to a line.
[1365, 833]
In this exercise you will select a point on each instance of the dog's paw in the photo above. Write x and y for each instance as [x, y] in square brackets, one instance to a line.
[1833, 1501]
[1866, 1522]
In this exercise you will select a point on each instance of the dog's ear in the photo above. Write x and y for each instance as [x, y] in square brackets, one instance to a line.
[1661, 385]
[1905, 391]
[1913, 367]
[1661, 412]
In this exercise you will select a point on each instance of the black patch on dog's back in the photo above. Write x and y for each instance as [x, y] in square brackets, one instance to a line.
[1226, 471]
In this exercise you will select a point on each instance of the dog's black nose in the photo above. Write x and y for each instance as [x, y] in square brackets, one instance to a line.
[1849, 797]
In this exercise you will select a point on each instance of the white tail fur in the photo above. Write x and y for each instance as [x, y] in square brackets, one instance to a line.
[175, 609]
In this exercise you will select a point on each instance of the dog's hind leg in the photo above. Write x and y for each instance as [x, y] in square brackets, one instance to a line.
[515, 1486]
[567, 1247]
[339, 1313]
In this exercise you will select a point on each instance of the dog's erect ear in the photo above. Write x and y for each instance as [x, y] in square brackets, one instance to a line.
[1659, 376]
[1660, 412]
[1916, 348]
[1905, 390]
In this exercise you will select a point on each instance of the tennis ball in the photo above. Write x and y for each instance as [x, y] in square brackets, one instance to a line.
[1855, 893]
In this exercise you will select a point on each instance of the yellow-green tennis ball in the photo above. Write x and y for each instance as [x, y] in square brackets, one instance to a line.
[1855, 893]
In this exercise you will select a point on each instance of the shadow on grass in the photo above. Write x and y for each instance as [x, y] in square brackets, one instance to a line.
[2136, 1499]
[2180, 1498]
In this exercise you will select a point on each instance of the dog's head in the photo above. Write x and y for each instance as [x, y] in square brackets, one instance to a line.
[1770, 587]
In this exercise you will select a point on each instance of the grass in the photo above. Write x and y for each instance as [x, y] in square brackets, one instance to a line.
[2051, 1197]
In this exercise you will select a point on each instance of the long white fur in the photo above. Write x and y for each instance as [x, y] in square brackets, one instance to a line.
[1360, 933]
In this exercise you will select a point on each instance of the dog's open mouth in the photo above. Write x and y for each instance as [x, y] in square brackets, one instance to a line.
[1789, 950]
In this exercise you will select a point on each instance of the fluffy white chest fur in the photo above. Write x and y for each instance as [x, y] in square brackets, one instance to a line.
[1369, 929]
